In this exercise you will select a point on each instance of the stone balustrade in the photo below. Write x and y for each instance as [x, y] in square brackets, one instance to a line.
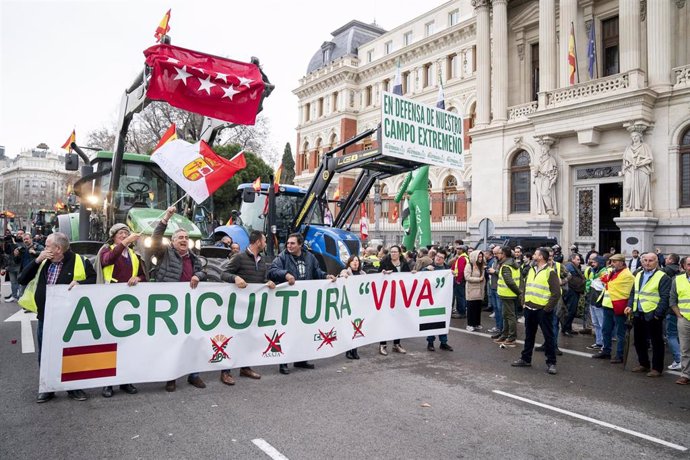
[520, 112]
[595, 89]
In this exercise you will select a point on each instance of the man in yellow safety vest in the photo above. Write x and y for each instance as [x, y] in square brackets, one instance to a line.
[680, 303]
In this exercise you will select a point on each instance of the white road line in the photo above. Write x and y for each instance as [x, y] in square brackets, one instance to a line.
[595, 421]
[268, 449]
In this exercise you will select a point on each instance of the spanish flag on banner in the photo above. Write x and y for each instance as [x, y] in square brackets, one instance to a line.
[89, 362]
[68, 143]
[163, 28]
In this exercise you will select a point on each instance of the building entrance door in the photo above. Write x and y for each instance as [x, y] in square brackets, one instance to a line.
[598, 200]
[610, 203]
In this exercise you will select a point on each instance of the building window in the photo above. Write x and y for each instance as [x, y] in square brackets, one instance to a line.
[428, 75]
[450, 196]
[609, 34]
[307, 112]
[406, 82]
[407, 38]
[520, 182]
[334, 102]
[429, 28]
[370, 55]
[304, 158]
[453, 17]
[319, 107]
[388, 47]
[535, 70]
[326, 56]
[685, 169]
[452, 66]
[367, 96]
[387, 84]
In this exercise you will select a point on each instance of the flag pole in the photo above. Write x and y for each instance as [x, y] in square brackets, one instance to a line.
[149, 225]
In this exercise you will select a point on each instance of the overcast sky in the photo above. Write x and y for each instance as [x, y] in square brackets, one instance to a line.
[65, 65]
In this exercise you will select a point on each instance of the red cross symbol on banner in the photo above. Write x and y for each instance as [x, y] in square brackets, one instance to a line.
[219, 349]
[327, 338]
[274, 343]
[358, 329]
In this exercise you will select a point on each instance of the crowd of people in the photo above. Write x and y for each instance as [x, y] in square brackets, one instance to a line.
[544, 290]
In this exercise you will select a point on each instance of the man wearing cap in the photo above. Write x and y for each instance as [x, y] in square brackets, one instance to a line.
[617, 287]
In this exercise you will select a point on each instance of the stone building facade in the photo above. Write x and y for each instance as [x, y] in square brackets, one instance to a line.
[33, 180]
[543, 156]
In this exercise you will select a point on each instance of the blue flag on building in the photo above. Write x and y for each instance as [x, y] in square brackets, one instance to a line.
[397, 84]
[592, 52]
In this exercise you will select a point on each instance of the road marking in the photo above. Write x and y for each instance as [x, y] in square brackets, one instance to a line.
[595, 421]
[268, 449]
[27, 334]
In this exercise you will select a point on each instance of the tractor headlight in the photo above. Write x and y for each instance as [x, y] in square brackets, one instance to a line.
[343, 252]
[147, 242]
[197, 244]
[166, 241]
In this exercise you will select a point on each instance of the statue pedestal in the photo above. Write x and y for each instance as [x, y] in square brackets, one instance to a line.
[637, 231]
[549, 226]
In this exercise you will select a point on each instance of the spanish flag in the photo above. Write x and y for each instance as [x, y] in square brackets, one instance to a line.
[336, 194]
[170, 135]
[163, 28]
[276, 178]
[572, 56]
[257, 185]
[89, 362]
[68, 143]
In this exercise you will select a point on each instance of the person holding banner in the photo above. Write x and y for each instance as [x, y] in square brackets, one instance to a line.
[439, 264]
[56, 264]
[244, 268]
[116, 262]
[393, 262]
[294, 264]
[176, 263]
[353, 267]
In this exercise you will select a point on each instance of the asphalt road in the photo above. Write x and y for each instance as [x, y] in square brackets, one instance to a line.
[459, 404]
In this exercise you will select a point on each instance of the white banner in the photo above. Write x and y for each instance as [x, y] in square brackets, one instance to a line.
[100, 335]
[414, 131]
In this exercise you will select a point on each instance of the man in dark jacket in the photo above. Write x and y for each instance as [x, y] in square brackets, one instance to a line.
[294, 264]
[245, 268]
[56, 264]
[439, 264]
[176, 263]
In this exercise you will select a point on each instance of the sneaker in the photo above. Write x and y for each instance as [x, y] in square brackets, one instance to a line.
[397, 348]
[552, 369]
[594, 346]
[10, 299]
[478, 328]
[383, 350]
[675, 366]
[520, 363]
[455, 315]
[493, 330]
[470, 328]
[521, 320]
[446, 347]
[492, 315]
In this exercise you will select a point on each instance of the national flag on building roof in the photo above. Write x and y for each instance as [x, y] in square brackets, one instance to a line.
[201, 83]
[397, 83]
[572, 57]
[68, 143]
[196, 167]
[89, 362]
[592, 52]
[163, 27]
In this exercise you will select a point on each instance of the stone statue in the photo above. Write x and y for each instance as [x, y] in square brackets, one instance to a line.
[545, 178]
[637, 175]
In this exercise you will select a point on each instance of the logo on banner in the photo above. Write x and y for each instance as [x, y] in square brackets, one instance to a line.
[274, 348]
[357, 327]
[199, 167]
[326, 338]
[219, 343]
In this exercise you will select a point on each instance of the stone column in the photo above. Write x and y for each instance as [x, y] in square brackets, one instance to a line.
[629, 29]
[568, 15]
[483, 63]
[659, 44]
[500, 60]
[547, 47]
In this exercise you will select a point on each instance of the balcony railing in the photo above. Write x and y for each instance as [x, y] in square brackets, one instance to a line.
[682, 77]
[595, 89]
[520, 112]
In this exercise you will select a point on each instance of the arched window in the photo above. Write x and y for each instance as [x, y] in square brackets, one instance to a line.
[450, 196]
[520, 182]
[685, 169]
[332, 141]
[304, 158]
[318, 152]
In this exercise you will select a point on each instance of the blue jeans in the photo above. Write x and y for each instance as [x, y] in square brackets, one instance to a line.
[672, 336]
[539, 319]
[613, 323]
[570, 298]
[39, 337]
[597, 323]
[14, 283]
[495, 302]
[443, 338]
[555, 325]
[459, 298]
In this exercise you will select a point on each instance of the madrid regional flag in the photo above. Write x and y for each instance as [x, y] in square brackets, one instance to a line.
[195, 167]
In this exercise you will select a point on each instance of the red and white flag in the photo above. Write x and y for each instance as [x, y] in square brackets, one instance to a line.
[363, 222]
[196, 168]
[201, 83]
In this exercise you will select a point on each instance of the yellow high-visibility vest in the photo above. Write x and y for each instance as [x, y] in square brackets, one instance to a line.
[28, 299]
[108, 271]
[683, 291]
[503, 289]
[648, 296]
[537, 288]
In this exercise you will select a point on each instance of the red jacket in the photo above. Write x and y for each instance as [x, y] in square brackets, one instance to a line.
[459, 268]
